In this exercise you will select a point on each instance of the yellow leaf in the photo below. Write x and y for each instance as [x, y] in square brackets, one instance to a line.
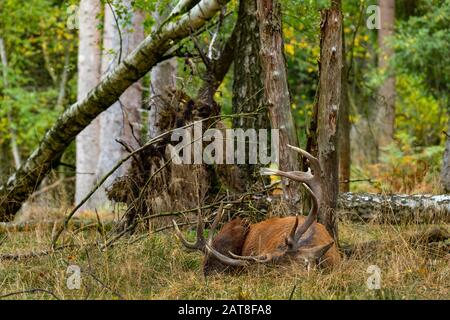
[289, 48]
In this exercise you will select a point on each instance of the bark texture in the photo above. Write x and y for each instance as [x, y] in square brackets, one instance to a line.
[385, 117]
[329, 102]
[395, 208]
[13, 136]
[162, 85]
[247, 82]
[21, 184]
[344, 127]
[445, 171]
[276, 91]
[117, 121]
[87, 142]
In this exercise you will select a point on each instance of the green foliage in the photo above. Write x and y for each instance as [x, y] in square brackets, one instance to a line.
[37, 39]
[403, 168]
[422, 46]
[419, 114]
[301, 30]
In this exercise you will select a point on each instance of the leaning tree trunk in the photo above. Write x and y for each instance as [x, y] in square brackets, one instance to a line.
[87, 142]
[118, 121]
[329, 102]
[385, 117]
[248, 95]
[445, 171]
[79, 115]
[276, 91]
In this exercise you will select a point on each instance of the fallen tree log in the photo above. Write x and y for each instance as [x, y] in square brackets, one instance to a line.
[394, 208]
[28, 177]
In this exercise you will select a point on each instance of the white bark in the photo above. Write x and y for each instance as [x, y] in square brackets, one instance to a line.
[75, 118]
[395, 208]
[163, 81]
[14, 146]
[87, 148]
[116, 121]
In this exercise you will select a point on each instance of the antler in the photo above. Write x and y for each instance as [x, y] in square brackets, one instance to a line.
[293, 244]
[312, 184]
[312, 179]
[203, 245]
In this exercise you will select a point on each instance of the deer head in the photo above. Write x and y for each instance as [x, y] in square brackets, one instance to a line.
[224, 251]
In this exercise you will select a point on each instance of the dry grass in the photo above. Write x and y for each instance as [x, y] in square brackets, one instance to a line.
[156, 267]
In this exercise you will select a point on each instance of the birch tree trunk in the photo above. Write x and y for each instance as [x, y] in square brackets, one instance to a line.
[118, 120]
[87, 142]
[5, 154]
[163, 82]
[13, 139]
[395, 208]
[24, 181]
[385, 117]
[276, 91]
[329, 102]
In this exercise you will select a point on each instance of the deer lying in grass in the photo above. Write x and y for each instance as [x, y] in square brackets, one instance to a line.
[274, 240]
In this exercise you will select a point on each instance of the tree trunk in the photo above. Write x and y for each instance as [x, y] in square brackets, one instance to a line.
[385, 117]
[247, 82]
[163, 83]
[395, 208]
[87, 143]
[117, 122]
[108, 91]
[276, 91]
[329, 102]
[445, 171]
[12, 132]
[344, 127]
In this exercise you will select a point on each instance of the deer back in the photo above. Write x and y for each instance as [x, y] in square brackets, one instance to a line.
[269, 236]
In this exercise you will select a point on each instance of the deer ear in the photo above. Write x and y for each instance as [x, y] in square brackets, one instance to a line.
[315, 253]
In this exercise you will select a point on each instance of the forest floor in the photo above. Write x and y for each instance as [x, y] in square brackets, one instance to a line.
[155, 266]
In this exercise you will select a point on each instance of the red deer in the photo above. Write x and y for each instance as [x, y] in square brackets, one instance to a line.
[274, 240]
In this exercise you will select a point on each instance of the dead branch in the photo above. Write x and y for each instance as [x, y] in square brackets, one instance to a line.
[76, 117]
[36, 290]
[33, 254]
[51, 187]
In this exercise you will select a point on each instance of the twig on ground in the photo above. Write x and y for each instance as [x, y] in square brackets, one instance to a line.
[30, 291]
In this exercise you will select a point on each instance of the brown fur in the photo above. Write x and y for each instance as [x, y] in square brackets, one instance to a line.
[269, 236]
[266, 237]
[230, 239]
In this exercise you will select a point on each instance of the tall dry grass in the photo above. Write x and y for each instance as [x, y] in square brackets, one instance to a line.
[155, 266]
